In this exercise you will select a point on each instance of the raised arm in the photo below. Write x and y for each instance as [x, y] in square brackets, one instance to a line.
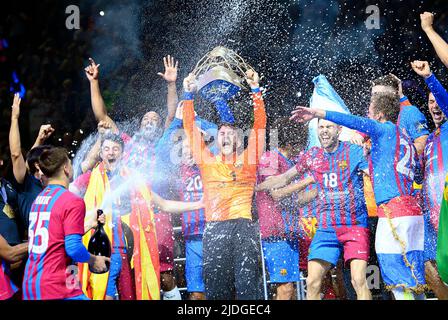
[98, 105]
[422, 69]
[175, 206]
[93, 157]
[170, 76]
[18, 162]
[197, 143]
[12, 254]
[257, 137]
[45, 131]
[437, 41]
[368, 126]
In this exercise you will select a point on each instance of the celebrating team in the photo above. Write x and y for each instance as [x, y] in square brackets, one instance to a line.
[313, 205]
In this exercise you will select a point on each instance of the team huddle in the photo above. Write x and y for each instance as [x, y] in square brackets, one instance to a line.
[244, 205]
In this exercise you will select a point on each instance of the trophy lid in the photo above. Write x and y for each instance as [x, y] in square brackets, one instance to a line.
[221, 64]
[219, 73]
[219, 51]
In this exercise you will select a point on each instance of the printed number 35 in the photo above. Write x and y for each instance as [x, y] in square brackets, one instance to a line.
[38, 230]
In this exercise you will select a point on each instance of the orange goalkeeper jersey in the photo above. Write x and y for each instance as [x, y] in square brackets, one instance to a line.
[228, 185]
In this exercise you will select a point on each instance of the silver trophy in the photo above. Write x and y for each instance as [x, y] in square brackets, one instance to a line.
[220, 75]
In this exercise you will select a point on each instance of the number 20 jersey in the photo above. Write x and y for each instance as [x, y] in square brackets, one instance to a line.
[55, 213]
[191, 190]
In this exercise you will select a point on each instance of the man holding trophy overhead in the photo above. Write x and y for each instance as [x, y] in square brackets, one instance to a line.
[231, 248]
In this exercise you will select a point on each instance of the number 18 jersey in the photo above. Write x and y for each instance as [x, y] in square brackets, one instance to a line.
[55, 213]
[340, 185]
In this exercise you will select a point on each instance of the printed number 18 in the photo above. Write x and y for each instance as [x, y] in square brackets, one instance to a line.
[330, 179]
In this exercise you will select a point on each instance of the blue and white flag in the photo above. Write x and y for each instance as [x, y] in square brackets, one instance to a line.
[325, 97]
[399, 246]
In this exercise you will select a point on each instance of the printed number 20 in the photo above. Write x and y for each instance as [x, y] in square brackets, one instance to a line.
[331, 179]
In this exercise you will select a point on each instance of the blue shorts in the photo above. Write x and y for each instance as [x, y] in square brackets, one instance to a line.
[328, 244]
[80, 297]
[193, 265]
[114, 273]
[430, 249]
[282, 260]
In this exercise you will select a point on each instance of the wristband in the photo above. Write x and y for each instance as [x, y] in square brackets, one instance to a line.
[256, 90]
[188, 95]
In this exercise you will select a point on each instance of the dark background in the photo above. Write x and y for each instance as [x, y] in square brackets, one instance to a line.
[288, 42]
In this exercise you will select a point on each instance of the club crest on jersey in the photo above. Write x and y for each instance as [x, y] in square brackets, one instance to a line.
[283, 272]
[342, 164]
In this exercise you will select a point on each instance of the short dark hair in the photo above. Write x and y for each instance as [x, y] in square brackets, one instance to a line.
[113, 137]
[388, 104]
[226, 124]
[388, 81]
[32, 157]
[51, 161]
[290, 133]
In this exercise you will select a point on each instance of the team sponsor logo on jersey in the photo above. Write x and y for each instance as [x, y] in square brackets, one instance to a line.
[342, 164]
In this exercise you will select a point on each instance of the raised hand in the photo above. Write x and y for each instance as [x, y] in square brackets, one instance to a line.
[426, 20]
[45, 131]
[421, 68]
[171, 67]
[15, 108]
[92, 70]
[252, 78]
[190, 83]
[104, 127]
[303, 114]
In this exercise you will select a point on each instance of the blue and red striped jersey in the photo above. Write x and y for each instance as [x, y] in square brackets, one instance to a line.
[435, 159]
[55, 214]
[340, 184]
[7, 287]
[394, 164]
[193, 222]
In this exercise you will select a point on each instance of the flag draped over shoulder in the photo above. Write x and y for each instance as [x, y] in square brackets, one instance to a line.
[442, 238]
[94, 285]
[145, 259]
[325, 97]
[146, 253]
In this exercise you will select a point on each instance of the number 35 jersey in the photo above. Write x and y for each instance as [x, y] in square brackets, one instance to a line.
[55, 214]
[340, 184]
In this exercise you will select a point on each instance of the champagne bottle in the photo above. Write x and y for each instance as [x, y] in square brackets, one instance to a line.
[99, 244]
